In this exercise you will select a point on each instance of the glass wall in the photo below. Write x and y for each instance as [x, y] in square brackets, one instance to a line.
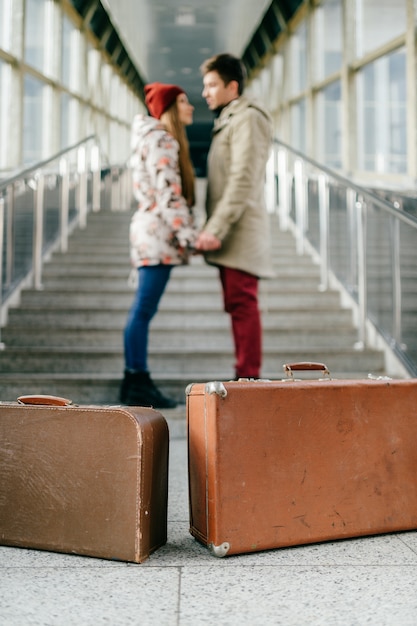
[66, 50]
[5, 24]
[382, 116]
[33, 106]
[329, 125]
[299, 59]
[347, 90]
[328, 20]
[298, 126]
[378, 21]
[62, 87]
[35, 35]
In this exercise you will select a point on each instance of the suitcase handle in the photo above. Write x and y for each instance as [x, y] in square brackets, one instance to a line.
[309, 366]
[44, 400]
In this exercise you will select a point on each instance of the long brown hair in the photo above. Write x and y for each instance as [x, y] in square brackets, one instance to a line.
[173, 125]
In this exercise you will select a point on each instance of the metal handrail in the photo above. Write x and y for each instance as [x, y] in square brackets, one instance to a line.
[365, 191]
[40, 206]
[300, 182]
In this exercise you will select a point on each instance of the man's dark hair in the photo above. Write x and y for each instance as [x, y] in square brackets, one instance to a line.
[228, 68]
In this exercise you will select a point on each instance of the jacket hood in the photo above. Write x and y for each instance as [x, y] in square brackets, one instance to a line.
[142, 126]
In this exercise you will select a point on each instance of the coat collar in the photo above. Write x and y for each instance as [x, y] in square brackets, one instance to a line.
[234, 107]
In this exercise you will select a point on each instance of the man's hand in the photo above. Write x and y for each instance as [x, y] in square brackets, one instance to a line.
[206, 241]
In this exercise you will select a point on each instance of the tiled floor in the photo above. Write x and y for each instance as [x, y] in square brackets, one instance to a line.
[370, 581]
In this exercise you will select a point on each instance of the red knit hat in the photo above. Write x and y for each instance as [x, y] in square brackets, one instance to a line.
[159, 97]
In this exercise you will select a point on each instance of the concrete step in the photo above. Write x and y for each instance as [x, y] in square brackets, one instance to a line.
[284, 318]
[103, 269]
[186, 283]
[101, 260]
[189, 301]
[166, 360]
[203, 337]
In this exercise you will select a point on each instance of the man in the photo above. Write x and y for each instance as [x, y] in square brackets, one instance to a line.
[236, 234]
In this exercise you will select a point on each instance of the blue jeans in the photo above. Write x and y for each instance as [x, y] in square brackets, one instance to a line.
[152, 282]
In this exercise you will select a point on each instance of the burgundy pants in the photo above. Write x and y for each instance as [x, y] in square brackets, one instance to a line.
[240, 293]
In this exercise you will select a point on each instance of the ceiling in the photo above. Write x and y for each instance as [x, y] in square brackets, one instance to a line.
[169, 39]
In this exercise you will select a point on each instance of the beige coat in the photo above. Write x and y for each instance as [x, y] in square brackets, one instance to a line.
[235, 205]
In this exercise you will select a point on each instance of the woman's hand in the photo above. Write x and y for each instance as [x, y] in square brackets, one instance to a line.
[206, 241]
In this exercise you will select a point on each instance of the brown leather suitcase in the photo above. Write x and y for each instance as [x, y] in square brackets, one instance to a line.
[284, 463]
[88, 480]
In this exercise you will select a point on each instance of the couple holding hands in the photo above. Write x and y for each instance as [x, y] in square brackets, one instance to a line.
[235, 236]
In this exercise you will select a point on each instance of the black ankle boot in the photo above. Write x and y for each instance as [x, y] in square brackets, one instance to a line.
[142, 391]
[124, 387]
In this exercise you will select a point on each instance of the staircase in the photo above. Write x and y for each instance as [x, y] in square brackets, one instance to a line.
[67, 339]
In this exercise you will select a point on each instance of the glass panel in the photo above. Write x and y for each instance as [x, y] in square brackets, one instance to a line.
[329, 125]
[66, 51]
[94, 86]
[65, 121]
[3, 161]
[299, 59]
[408, 273]
[382, 115]
[329, 38]
[21, 226]
[5, 24]
[33, 120]
[35, 33]
[377, 22]
[298, 126]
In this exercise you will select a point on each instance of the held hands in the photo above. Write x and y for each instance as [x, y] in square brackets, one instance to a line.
[206, 241]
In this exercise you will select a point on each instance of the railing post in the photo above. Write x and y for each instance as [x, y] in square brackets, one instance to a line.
[81, 167]
[1, 263]
[63, 170]
[128, 187]
[299, 205]
[115, 188]
[361, 264]
[396, 282]
[283, 190]
[38, 230]
[352, 216]
[324, 231]
[125, 189]
[95, 168]
[10, 252]
[270, 199]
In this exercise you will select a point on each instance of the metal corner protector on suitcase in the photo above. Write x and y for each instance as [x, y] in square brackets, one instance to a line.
[291, 462]
[87, 480]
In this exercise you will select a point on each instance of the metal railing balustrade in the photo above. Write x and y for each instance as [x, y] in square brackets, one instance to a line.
[42, 204]
[364, 244]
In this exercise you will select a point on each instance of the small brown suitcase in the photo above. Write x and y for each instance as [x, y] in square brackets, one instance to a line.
[283, 463]
[88, 480]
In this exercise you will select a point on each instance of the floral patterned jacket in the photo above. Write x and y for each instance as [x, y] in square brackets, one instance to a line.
[162, 228]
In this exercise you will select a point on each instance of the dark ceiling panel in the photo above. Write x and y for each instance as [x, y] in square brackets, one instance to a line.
[288, 7]
[103, 29]
[269, 29]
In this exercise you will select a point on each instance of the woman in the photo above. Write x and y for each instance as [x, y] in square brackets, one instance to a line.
[162, 229]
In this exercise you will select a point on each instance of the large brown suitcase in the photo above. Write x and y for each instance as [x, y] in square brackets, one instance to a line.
[283, 463]
[88, 480]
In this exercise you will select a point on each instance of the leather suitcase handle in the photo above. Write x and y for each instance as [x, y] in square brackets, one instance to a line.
[44, 400]
[309, 366]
